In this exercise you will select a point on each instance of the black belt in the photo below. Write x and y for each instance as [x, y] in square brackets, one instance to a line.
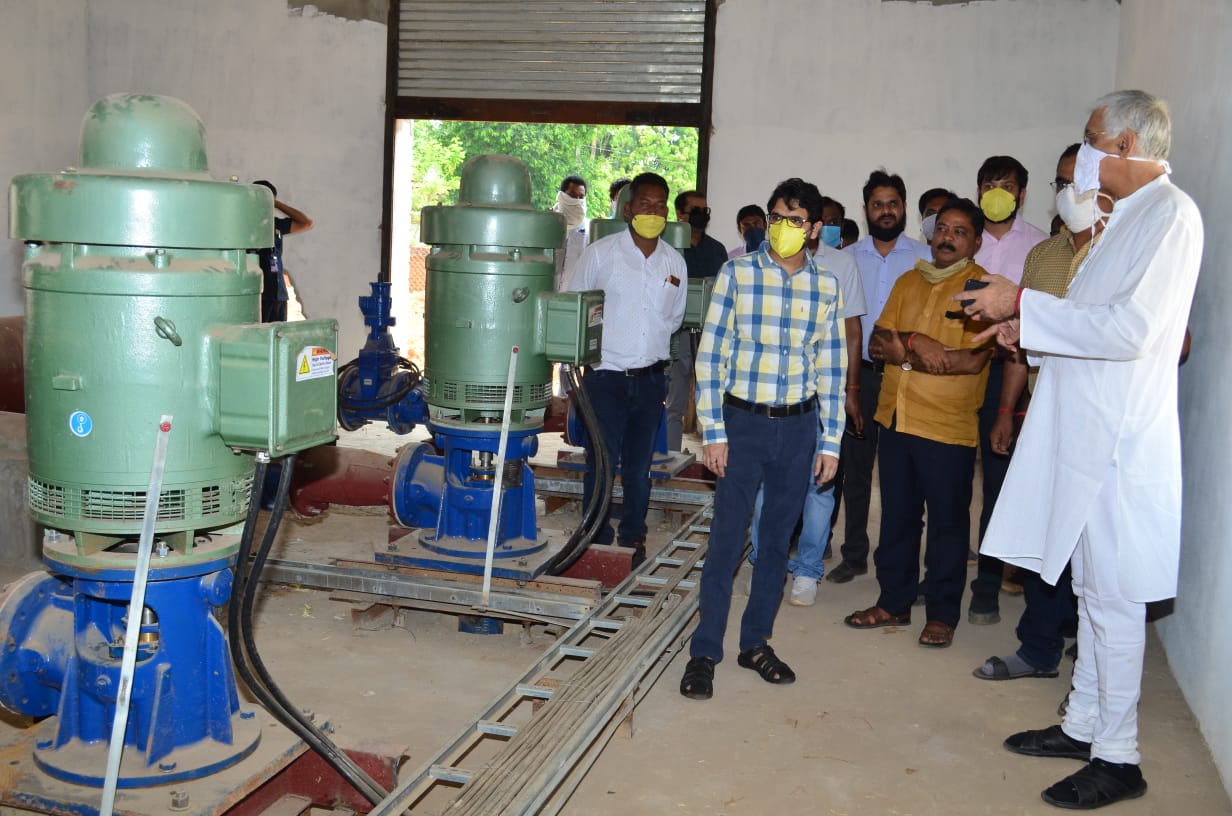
[771, 411]
[653, 368]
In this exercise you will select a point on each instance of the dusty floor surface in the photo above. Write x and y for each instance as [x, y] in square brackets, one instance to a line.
[874, 725]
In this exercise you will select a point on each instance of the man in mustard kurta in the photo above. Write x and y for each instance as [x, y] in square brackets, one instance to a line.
[935, 375]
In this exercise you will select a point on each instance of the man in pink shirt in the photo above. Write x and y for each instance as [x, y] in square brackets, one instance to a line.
[1002, 182]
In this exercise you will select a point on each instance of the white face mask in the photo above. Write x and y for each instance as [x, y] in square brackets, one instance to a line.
[1086, 167]
[927, 226]
[1079, 212]
[573, 209]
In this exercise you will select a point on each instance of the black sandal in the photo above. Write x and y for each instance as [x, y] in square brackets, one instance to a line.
[698, 680]
[763, 661]
[1097, 785]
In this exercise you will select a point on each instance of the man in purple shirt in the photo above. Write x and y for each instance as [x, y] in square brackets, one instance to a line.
[1002, 183]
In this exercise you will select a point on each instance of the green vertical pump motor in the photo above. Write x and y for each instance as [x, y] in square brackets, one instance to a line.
[141, 302]
[489, 291]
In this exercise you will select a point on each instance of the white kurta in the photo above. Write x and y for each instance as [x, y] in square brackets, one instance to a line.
[1104, 409]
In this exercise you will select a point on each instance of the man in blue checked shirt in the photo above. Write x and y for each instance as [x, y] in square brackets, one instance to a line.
[770, 373]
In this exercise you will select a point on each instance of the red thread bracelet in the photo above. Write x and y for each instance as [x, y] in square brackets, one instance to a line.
[1018, 301]
[910, 340]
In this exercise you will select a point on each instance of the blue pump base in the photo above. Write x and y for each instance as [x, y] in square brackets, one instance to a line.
[84, 763]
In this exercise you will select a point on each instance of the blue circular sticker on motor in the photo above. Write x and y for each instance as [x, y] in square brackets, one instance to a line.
[80, 423]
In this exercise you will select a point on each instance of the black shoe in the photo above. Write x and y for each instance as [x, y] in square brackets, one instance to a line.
[983, 613]
[845, 571]
[1100, 783]
[1050, 742]
[639, 553]
[698, 680]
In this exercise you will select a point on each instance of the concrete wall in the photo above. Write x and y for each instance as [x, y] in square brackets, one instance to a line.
[1179, 51]
[293, 96]
[831, 89]
[21, 543]
[42, 96]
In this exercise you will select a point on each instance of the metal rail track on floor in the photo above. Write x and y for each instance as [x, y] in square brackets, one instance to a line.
[380, 581]
[530, 748]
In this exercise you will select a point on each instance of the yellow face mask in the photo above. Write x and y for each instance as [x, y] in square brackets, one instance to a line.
[785, 239]
[649, 226]
[998, 205]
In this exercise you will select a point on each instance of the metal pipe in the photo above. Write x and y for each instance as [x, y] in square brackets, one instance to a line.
[331, 475]
[12, 364]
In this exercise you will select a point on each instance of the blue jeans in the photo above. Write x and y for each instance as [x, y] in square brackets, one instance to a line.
[776, 453]
[629, 410]
[814, 534]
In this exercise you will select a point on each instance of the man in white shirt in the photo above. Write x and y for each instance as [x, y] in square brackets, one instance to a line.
[644, 282]
[571, 203]
[1096, 478]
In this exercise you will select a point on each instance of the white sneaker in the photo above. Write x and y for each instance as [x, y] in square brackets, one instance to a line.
[803, 592]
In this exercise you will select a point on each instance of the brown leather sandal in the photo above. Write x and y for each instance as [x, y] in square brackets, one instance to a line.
[937, 635]
[874, 618]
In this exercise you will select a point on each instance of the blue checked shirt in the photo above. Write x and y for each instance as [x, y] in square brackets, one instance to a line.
[773, 339]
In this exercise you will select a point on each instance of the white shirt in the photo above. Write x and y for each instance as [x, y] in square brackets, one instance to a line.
[843, 267]
[1103, 428]
[643, 298]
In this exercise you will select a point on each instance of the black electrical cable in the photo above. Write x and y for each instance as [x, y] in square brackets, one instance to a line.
[406, 366]
[595, 513]
[244, 650]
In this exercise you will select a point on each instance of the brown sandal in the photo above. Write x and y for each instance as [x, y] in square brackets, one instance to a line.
[937, 635]
[874, 618]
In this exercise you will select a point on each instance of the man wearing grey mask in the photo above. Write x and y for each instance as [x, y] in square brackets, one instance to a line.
[1096, 481]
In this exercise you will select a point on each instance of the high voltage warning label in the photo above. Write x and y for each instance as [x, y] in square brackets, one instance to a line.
[314, 362]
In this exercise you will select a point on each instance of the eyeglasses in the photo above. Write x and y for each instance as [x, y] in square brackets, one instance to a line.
[702, 210]
[1092, 135]
[1058, 184]
[795, 220]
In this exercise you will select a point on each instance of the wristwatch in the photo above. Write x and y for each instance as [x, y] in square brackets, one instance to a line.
[906, 365]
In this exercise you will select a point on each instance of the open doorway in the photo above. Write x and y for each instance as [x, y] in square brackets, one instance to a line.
[428, 158]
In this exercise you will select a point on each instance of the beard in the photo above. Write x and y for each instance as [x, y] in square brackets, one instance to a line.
[883, 233]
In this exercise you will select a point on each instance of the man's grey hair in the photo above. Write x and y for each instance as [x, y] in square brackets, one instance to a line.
[1144, 114]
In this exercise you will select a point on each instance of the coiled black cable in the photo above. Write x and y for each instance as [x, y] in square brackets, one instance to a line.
[351, 403]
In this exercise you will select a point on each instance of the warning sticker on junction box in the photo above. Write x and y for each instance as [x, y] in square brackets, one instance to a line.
[313, 363]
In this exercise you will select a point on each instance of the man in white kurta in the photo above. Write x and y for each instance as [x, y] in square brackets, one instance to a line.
[1096, 477]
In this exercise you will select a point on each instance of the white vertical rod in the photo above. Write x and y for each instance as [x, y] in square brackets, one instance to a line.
[494, 521]
[136, 606]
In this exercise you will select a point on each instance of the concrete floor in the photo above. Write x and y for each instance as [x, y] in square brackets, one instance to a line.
[874, 725]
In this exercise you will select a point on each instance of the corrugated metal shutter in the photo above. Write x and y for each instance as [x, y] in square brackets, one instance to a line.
[639, 51]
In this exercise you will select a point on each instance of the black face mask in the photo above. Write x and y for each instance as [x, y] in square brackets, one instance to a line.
[753, 236]
[698, 219]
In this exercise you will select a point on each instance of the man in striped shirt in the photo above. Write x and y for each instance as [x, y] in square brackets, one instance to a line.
[770, 374]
